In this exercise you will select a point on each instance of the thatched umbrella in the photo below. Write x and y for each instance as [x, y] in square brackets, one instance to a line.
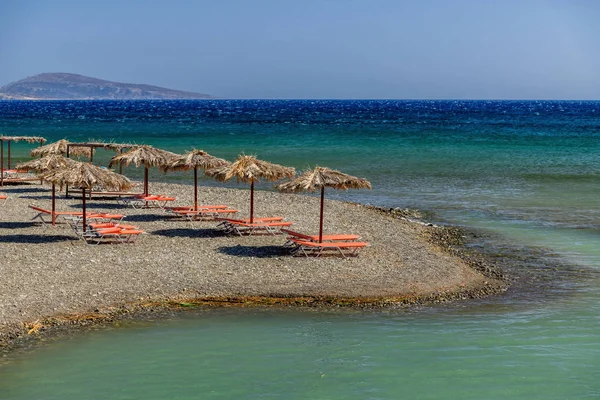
[86, 175]
[193, 160]
[118, 148]
[9, 139]
[249, 169]
[147, 156]
[46, 164]
[60, 147]
[320, 178]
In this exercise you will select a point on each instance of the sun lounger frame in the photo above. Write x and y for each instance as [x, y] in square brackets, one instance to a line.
[142, 201]
[226, 223]
[111, 235]
[191, 208]
[42, 212]
[207, 213]
[106, 232]
[75, 221]
[241, 227]
[315, 238]
[315, 249]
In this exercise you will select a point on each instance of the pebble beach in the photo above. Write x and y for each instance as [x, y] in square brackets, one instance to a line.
[48, 272]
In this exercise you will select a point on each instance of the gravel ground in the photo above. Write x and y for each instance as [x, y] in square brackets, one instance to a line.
[45, 271]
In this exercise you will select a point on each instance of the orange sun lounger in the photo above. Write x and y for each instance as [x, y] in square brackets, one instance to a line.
[42, 213]
[315, 238]
[204, 213]
[191, 208]
[239, 227]
[95, 220]
[345, 249]
[116, 234]
[3, 198]
[226, 223]
[141, 201]
[106, 225]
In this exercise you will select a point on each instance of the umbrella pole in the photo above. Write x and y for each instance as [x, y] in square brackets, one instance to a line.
[252, 202]
[195, 188]
[53, 204]
[321, 217]
[84, 213]
[41, 144]
[67, 186]
[8, 155]
[146, 181]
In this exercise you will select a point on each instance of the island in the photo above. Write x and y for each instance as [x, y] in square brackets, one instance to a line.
[66, 86]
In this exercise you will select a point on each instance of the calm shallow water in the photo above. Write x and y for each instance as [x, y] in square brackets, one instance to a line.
[526, 174]
[471, 354]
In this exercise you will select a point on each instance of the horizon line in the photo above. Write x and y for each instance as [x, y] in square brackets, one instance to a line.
[309, 99]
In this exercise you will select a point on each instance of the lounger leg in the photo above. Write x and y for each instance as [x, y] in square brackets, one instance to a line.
[305, 251]
[341, 252]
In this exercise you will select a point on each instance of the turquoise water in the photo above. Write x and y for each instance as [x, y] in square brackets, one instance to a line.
[524, 175]
[470, 354]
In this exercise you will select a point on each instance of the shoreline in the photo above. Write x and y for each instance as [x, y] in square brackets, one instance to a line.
[410, 263]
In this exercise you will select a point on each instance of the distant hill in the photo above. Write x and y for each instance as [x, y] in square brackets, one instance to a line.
[63, 86]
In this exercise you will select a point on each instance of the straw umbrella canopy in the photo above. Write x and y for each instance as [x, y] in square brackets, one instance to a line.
[46, 164]
[249, 169]
[86, 175]
[8, 140]
[118, 148]
[320, 178]
[28, 139]
[147, 156]
[193, 160]
[60, 147]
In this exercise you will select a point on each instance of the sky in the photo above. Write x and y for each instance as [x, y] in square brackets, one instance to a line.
[319, 49]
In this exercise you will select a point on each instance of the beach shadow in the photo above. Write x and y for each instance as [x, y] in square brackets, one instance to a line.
[17, 225]
[23, 189]
[255, 251]
[38, 197]
[35, 239]
[94, 204]
[147, 218]
[189, 233]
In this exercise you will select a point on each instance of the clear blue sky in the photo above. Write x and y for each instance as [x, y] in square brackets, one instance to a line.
[402, 49]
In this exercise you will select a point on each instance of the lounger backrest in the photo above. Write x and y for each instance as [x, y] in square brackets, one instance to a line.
[331, 244]
[131, 232]
[41, 210]
[297, 234]
[341, 237]
[104, 231]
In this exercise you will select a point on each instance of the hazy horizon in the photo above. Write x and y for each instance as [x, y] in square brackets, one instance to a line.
[265, 49]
